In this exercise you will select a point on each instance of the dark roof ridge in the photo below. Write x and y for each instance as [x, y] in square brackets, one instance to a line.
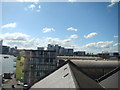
[78, 68]
[109, 74]
[76, 72]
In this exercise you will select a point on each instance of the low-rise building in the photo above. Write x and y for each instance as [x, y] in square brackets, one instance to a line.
[69, 52]
[40, 48]
[8, 64]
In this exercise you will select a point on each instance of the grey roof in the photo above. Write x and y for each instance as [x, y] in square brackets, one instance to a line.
[96, 64]
[67, 76]
[111, 79]
[82, 79]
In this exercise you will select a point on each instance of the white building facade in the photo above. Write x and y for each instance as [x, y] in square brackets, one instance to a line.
[8, 64]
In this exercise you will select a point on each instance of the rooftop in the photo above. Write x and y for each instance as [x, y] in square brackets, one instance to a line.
[67, 76]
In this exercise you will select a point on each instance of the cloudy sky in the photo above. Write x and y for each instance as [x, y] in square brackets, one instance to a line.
[89, 26]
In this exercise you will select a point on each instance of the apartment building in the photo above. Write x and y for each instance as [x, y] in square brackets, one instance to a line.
[37, 63]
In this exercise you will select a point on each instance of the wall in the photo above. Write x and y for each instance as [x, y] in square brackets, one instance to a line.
[8, 63]
[19, 68]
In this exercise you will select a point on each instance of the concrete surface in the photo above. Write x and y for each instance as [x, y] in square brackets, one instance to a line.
[95, 64]
[68, 76]
[58, 79]
[112, 81]
[9, 83]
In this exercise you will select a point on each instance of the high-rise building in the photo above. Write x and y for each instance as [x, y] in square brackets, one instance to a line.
[40, 48]
[50, 47]
[79, 53]
[60, 50]
[69, 51]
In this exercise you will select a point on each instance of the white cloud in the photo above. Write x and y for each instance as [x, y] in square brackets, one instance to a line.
[28, 0]
[117, 44]
[32, 6]
[72, 29]
[39, 6]
[64, 43]
[115, 36]
[90, 35]
[22, 41]
[10, 25]
[100, 46]
[26, 44]
[14, 36]
[72, 0]
[110, 5]
[37, 10]
[45, 30]
[112, 2]
[66, 40]
[35, 7]
[94, 47]
[74, 36]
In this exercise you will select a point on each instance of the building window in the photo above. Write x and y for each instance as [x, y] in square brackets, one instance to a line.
[66, 74]
[46, 60]
[65, 68]
[18, 58]
[21, 64]
[23, 71]
[51, 60]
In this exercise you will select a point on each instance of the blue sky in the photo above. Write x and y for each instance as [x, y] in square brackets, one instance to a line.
[89, 26]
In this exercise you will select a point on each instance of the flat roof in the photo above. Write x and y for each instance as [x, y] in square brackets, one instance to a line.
[96, 64]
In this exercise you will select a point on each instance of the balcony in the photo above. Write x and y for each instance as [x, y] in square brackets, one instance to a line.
[40, 56]
[41, 63]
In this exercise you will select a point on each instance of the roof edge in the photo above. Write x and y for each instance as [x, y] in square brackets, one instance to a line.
[108, 74]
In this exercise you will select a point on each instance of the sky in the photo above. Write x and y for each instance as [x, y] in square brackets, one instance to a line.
[83, 26]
